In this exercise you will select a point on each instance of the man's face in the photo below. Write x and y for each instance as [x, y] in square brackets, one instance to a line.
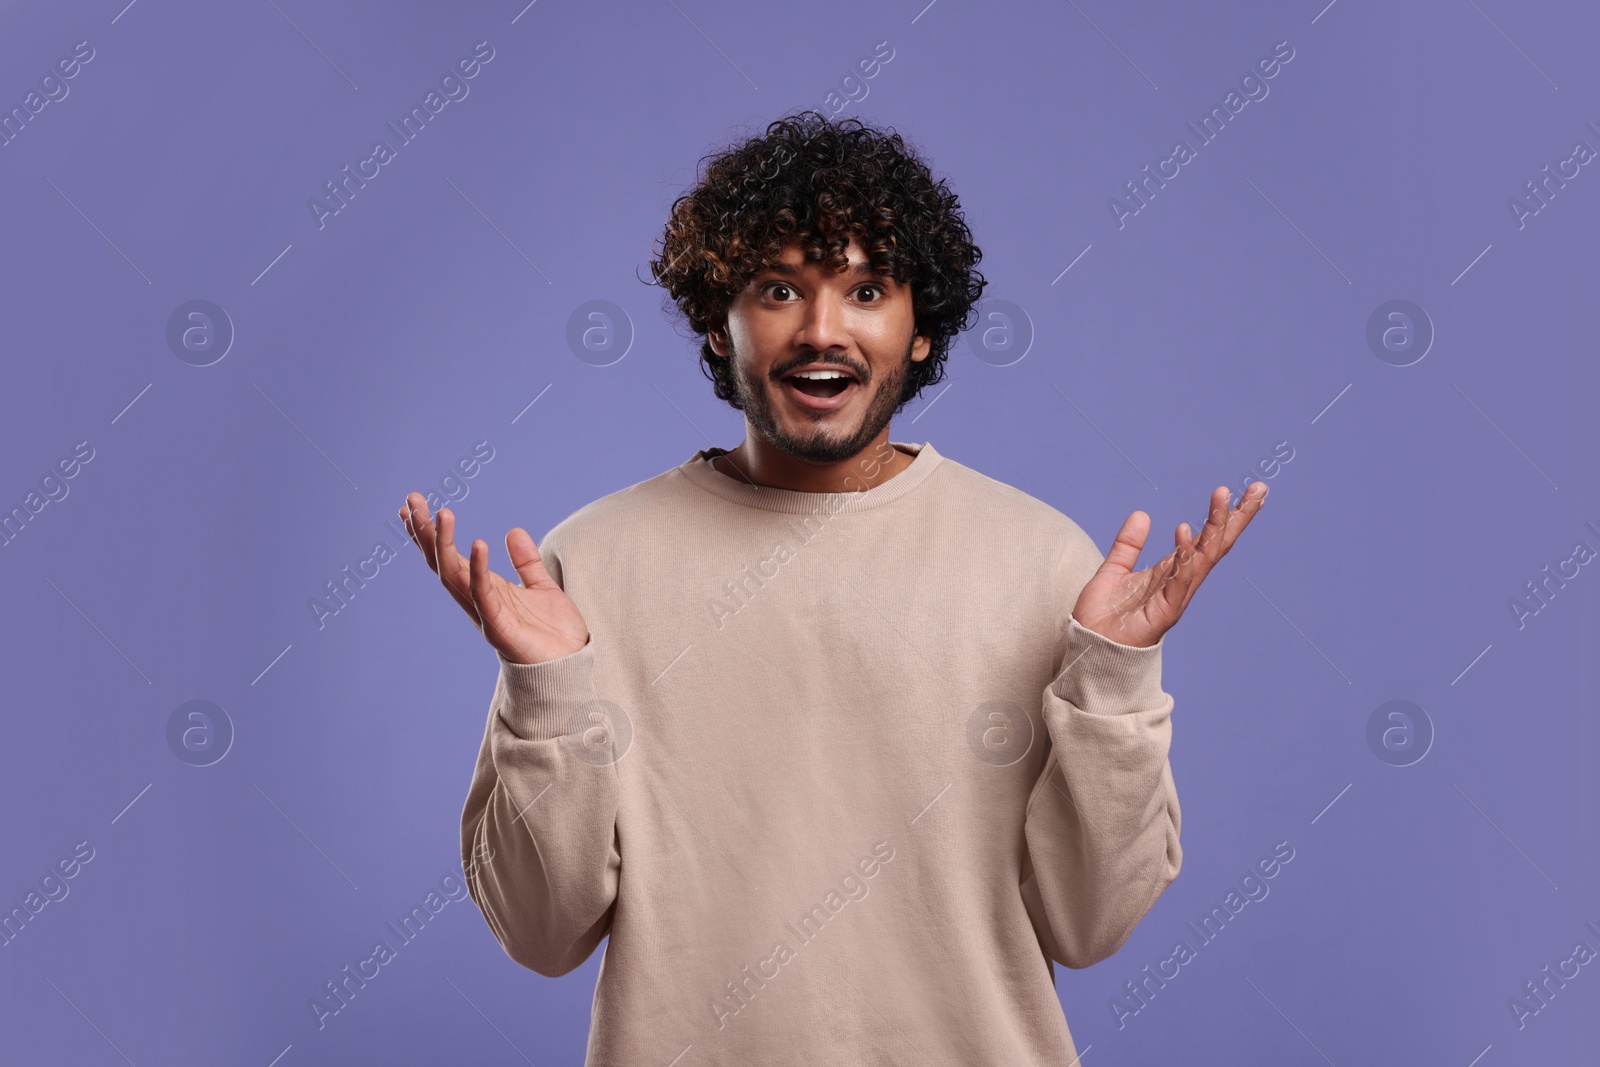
[799, 316]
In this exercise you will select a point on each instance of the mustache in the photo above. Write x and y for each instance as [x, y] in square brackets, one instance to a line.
[862, 373]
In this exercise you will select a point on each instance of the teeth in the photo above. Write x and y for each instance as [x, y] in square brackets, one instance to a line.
[820, 375]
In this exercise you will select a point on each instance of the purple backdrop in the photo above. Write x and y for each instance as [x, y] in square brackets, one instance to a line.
[192, 476]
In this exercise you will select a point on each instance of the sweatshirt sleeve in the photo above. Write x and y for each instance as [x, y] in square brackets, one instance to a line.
[1103, 820]
[538, 832]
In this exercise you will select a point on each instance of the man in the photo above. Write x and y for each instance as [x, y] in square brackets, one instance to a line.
[840, 741]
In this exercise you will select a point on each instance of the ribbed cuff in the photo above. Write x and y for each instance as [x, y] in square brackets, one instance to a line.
[538, 701]
[1105, 677]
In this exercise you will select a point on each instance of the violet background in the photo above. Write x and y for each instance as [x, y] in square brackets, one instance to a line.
[1225, 317]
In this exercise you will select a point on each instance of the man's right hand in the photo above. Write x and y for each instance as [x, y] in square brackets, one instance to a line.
[527, 623]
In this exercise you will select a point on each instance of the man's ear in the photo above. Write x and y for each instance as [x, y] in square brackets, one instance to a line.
[920, 347]
[717, 337]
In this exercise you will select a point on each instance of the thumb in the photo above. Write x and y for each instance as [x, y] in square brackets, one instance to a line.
[525, 558]
[1129, 542]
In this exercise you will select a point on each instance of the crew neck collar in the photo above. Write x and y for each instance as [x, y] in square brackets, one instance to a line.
[698, 469]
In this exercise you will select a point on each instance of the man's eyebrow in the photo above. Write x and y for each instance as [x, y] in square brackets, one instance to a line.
[859, 268]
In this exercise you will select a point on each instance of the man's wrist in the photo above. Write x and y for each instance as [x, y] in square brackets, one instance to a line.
[1106, 677]
[539, 699]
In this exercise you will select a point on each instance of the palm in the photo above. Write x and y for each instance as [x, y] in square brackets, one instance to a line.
[1137, 608]
[528, 623]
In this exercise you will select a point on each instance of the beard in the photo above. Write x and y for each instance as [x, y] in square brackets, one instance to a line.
[821, 444]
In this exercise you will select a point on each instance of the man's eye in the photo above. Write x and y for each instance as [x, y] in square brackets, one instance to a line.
[872, 289]
[777, 287]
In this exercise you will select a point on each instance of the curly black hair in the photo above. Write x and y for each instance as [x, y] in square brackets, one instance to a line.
[821, 182]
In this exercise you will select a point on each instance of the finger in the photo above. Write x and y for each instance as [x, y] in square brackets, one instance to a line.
[1127, 545]
[525, 558]
[1249, 504]
[1181, 559]
[419, 526]
[453, 569]
[1237, 519]
[1183, 546]
[1177, 562]
[1209, 542]
[1137, 588]
[1135, 592]
[423, 535]
[1180, 575]
[484, 600]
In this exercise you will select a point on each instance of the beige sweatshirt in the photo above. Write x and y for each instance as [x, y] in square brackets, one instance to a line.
[838, 773]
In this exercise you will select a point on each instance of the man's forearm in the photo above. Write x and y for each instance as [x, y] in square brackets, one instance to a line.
[543, 807]
[1103, 822]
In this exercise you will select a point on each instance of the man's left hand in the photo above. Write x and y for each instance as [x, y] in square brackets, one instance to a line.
[1137, 609]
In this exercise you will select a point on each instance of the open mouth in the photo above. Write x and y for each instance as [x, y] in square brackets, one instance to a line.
[821, 387]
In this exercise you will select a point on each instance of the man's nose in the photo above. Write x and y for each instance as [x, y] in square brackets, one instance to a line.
[823, 327]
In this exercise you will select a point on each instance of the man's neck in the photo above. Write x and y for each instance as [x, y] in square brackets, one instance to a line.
[757, 462]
